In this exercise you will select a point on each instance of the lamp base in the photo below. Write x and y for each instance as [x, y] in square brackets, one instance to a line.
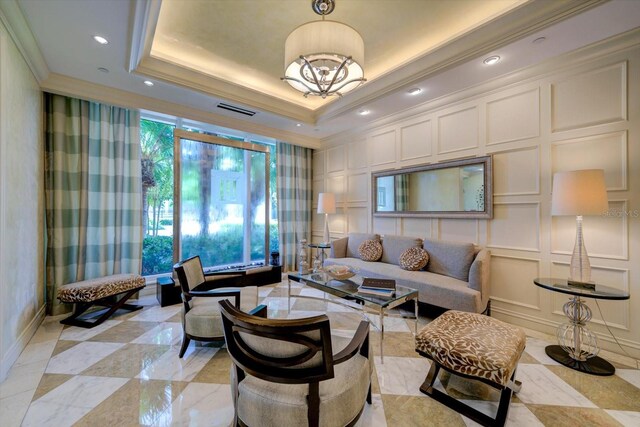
[579, 284]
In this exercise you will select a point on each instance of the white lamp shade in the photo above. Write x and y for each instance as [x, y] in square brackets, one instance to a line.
[581, 192]
[326, 203]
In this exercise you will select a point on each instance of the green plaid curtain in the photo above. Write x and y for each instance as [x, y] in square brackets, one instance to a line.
[402, 192]
[93, 192]
[295, 197]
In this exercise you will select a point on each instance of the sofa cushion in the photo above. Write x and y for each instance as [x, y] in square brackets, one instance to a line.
[414, 259]
[370, 250]
[355, 240]
[394, 246]
[449, 258]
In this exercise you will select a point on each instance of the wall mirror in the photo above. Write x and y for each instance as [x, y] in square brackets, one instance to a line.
[455, 189]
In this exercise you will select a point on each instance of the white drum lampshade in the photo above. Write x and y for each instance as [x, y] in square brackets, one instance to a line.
[326, 206]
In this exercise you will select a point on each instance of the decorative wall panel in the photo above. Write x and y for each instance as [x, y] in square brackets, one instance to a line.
[591, 98]
[384, 225]
[318, 163]
[335, 159]
[357, 155]
[335, 185]
[383, 148]
[459, 230]
[512, 281]
[358, 188]
[521, 111]
[357, 220]
[415, 140]
[607, 151]
[516, 172]
[458, 131]
[515, 226]
[416, 227]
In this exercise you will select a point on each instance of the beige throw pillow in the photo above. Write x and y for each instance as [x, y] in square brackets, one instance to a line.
[370, 250]
[414, 259]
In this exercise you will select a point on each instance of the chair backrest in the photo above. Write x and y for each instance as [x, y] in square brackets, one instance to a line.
[190, 273]
[290, 351]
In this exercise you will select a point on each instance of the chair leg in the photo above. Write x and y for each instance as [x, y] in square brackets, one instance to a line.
[185, 344]
[369, 395]
[431, 378]
[313, 405]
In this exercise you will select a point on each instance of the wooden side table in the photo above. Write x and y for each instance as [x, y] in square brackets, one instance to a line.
[578, 346]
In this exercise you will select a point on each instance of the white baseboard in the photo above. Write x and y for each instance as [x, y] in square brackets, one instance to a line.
[9, 358]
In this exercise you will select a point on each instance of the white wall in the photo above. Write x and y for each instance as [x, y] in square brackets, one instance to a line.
[21, 203]
[576, 112]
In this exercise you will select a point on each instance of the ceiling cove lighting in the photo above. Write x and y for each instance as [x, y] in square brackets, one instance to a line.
[492, 60]
[324, 58]
[414, 91]
[101, 40]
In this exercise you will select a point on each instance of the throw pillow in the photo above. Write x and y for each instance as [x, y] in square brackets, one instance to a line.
[414, 259]
[370, 250]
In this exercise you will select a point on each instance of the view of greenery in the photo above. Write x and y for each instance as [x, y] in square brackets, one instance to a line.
[217, 240]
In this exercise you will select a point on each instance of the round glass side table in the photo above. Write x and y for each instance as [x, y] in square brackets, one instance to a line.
[320, 247]
[578, 346]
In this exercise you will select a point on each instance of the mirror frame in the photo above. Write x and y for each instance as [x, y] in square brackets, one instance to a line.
[486, 161]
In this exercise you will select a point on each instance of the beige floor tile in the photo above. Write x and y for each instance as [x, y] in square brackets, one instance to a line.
[568, 416]
[124, 332]
[48, 382]
[216, 370]
[527, 358]
[176, 318]
[610, 392]
[63, 345]
[400, 344]
[138, 402]
[409, 411]
[128, 361]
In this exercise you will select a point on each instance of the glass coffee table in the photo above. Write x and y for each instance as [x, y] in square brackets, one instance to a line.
[348, 290]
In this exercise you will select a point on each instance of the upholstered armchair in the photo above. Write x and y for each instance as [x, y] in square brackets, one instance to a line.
[201, 319]
[285, 372]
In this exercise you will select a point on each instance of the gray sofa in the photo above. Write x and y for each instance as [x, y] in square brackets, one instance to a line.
[456, 276]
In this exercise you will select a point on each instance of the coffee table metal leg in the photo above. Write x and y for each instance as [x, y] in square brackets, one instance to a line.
[381, 334]
[288, 296]
[415, 322]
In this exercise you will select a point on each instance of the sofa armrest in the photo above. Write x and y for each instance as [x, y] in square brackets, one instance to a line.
[479, 274]
[339, 248]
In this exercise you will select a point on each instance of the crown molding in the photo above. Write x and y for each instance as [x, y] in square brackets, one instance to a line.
[529, 18]
[570, 60]
[144, 18]
[17, 27]
[63, 85]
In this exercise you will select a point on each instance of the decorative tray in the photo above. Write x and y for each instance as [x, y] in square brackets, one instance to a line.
[339, 272]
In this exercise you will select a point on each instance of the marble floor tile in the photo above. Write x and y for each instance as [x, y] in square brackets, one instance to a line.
[35, 352]
[69, 402]
[138, 402]
[176, 318]
[632, 376]
[519, 415]
[76, 333]
[63, 345]
[626, 418]
[277, 304]
[528, 359]
[216, 370]
[170, 367]
[373, 414]
[14, 407]
[543, 387]
[156, 313]
[48, 382]
[124, 332]
[395, 344]
[201, 404]
[80, 357]
[535, 348]
[127, 362]
[166, 333]
[611, 392]
[413, 411]
[312, 292]
[50, 329]
[309, 304]
[22, 378]
[572, 416]
[401, 375]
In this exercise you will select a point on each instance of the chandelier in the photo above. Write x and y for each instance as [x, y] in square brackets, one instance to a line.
[324, 58]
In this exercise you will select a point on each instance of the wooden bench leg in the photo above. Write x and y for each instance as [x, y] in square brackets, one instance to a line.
[469, 412]
[113, 305]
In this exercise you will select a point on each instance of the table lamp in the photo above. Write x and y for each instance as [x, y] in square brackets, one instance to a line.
[581, 192]
[326, 206]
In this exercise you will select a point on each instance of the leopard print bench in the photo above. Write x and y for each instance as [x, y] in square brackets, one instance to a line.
[110, 291]
[473, 346]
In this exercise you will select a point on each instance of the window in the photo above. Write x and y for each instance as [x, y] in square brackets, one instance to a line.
[221, 213]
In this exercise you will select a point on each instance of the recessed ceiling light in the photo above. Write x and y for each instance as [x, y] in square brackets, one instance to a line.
[102, 69]
[363, 112]
[414, 91]
[298, 124]
[492, 60]
[100, 39]
[539, 40]
[148, 82]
